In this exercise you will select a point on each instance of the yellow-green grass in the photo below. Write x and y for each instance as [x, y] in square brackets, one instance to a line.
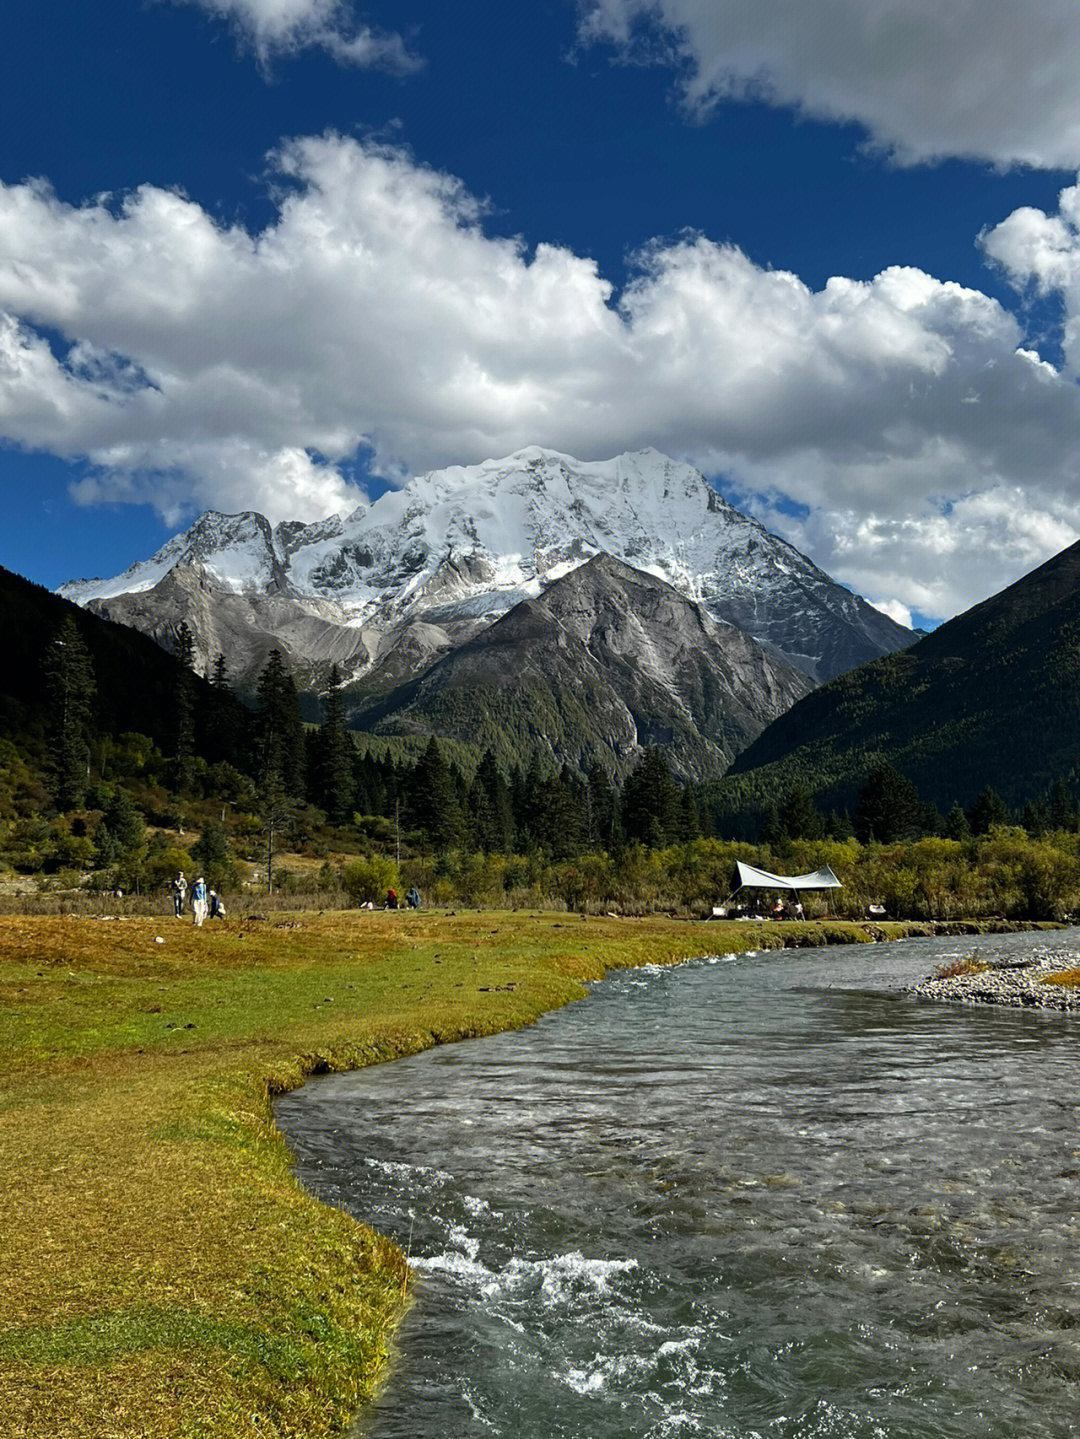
[163, 1273]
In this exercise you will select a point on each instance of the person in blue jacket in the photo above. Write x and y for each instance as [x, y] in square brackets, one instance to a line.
[198, 900]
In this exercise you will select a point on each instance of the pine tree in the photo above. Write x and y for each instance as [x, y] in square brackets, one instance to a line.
[557, 815]
[184, 645]
[69, 677]
[1062, 810]
[212, 855]
[489, 806]
[956, 824]
[600, 808]
[888, 808]
[772, 831]
[222, 726]
[333, 784]
[987, 810]
[184, 706]
[650, 802]
[1036, 818]
[529, 804]
[124, 821]
[432, 801]
[689, 822]
[279, 731]
[798, 817]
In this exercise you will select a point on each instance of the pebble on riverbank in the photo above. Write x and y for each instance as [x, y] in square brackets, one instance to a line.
[1021, 983]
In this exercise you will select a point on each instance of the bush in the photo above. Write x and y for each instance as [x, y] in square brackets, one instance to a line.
[368, 879]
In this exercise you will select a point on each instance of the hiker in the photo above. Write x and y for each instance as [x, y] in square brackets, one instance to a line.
[412, 899]
[198, 901]
[217, 909]
[179, 893]
[391, 899]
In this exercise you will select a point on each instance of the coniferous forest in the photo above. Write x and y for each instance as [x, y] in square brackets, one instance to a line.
[120, 765]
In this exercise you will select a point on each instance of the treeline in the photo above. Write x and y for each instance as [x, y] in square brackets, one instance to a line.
[118, 811]
[67, 800]
[887, 807]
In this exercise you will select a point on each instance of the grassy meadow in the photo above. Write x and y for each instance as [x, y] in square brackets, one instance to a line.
[163, 1272]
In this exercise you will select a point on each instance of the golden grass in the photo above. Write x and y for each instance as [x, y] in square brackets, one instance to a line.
[163, 1273]
[1066, 978]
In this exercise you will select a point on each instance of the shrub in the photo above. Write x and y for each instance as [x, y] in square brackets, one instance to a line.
[369, 879]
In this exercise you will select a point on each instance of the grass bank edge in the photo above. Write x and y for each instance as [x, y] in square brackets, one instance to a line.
[294, 1339]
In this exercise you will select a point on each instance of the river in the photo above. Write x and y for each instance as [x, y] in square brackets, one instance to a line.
[755, 1197]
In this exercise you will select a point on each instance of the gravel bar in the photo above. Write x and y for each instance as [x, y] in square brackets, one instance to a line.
[1021, 983]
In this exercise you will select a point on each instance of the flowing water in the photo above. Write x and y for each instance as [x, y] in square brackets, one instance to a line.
[757, 1196]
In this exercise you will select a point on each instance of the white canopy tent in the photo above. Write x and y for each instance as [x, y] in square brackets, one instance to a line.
[747, 877]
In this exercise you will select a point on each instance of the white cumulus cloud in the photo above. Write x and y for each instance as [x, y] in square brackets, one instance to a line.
[198, 364]
[275, 27]
[994, 80]
[1042, 252]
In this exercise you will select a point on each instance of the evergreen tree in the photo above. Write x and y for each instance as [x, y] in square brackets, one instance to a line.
[557, 815]
[987, 810]
[519, 806]
[221, 725]
[772, 831]
[211, 854]
[432, 800]
[956, 824]
[184, 706]
[121, 831]
[184, 645]
[689, 821]
[1036, 818]
[650, 802]
[334, 783]
[69, 678]
[108, 850]
[600, 808]
[489, 807]
[799, 818]
[125, 821]
[529, 804]
[1062, 810]
[279, 731]
[888, 808]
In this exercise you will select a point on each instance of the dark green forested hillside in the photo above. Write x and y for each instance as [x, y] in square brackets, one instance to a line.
[992, 698]
[135, 679]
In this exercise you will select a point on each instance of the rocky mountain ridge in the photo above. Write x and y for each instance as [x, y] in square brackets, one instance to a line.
[608, 660]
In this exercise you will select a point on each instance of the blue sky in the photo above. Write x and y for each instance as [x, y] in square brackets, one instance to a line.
[254, 253]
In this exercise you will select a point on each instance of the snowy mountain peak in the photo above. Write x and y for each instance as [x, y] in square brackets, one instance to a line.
[459, 546]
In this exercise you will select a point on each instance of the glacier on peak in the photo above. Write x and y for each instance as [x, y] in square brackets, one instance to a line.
[473, 540]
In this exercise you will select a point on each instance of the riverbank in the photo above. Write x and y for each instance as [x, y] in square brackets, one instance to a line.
[164, 1273]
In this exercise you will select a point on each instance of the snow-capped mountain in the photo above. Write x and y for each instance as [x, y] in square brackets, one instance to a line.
[391, 586]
